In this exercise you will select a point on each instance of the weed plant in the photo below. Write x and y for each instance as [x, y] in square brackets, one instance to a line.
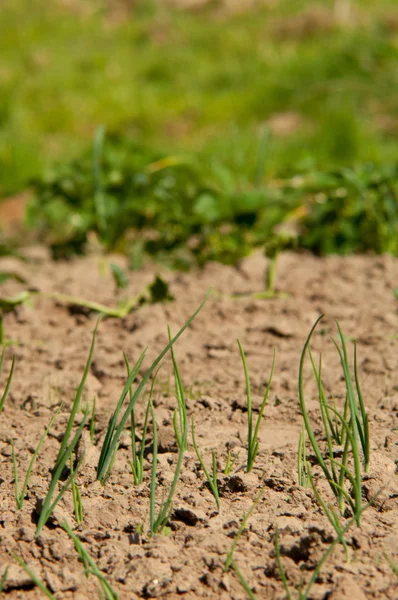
[252, 433]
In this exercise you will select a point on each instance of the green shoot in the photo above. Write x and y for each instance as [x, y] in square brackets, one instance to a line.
[243, 581]
[182, 407]
[9, 379]
[77, 399]
[230, 555]
[392, 564]
[329, 511]
[302, 466]
[252, 436]
[304, 595]
[107, 450]
[49, 504]
[281, 569]
[77, 500]
[89, 565]
[20, 495]
[34, 577]
[211, 479]
[114, 433]
[137, 464]
[92, 422]
[159, 522]
[350, 428]
[230, 462]
[3, 580]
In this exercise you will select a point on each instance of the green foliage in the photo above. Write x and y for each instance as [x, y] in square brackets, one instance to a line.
[353, 210]
[184, 212]
[153, 73]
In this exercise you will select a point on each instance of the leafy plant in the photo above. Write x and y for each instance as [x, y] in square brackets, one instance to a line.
[252, 434]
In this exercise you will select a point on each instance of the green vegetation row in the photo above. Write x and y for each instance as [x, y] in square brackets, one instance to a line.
[186, 210]
[342, 427]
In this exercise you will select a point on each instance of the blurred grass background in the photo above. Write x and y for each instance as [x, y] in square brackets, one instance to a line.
[321, 74]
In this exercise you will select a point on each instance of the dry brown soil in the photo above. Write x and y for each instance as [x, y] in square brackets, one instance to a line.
[51, 343]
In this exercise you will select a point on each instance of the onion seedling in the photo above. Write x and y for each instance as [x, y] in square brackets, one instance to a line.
[137, 463]
[34, 577]
[182, 407]
[67, 448]
[252, 435]
[351, 428]
[113, 434]
[9, 378]
[20, 495]
[89, 565]
[159, 522]
[211, 479]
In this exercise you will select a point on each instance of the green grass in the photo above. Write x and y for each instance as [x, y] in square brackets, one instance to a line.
[64, 70]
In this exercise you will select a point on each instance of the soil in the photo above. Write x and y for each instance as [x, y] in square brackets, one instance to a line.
[51, 342]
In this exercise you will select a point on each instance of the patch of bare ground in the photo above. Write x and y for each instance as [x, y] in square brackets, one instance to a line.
[51, 343]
